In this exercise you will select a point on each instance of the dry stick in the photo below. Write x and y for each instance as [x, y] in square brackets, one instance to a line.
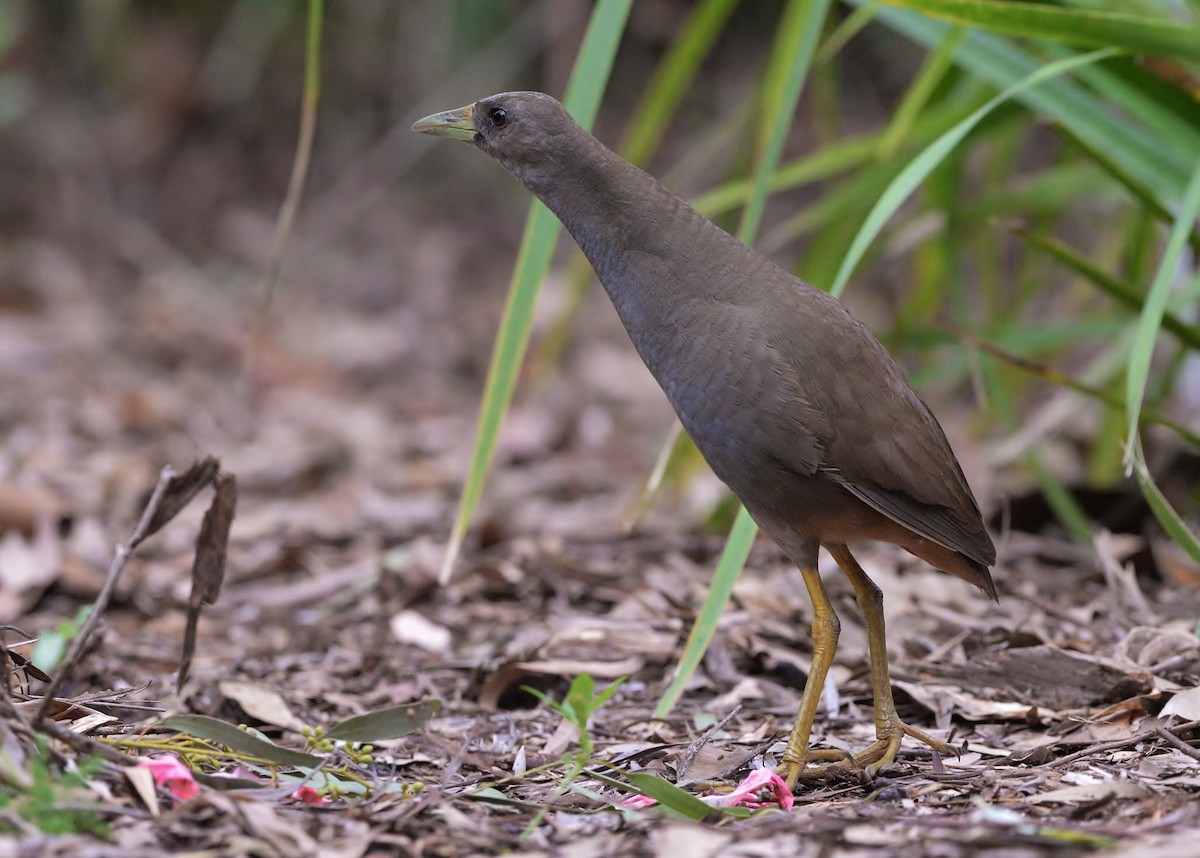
[1118, 744]
[84, 744]
[1176, 742]
[120, 558]
[10, 714]
[685, 761]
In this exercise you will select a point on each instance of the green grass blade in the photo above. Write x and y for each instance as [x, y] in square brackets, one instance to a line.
[643, 134]
[1170, 125]
[669, 82]
[1136, 189]
[582, 99]
[1152, 313]
[1085, 27]
[791, 57]
[839, 36]
[733, 558]
[1165, 513]
[1101, 394]
[846, 154]
[1148, 160]
[824, 162]
[933, 72]
[590, 74]
[1118, 289]
[934, 154]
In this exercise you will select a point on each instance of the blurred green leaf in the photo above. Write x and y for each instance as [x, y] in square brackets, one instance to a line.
[924, 163]
[916, 97]
[670, 796]
[1118, 289]
[733, 558]
[1086, 27]
[1160, 166]
[669, 82]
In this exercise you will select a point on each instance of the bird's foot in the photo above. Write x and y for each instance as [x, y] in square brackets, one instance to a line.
[883, 751]
[833, 762]
[868, 762]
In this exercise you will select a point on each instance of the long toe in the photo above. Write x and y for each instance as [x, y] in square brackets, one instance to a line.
[832, 764]
[883, 752]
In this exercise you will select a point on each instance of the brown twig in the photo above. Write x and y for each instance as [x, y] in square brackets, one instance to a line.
[120, 559]
[685, 760]
[11, 715]
[84, 744]
[1177, 743]
[1118, 744]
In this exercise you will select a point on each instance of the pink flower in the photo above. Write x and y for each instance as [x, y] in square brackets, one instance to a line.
[639, 801]
[169, 772]
[745, 794]
[308, 795]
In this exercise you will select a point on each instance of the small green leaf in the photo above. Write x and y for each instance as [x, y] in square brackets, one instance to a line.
[578, 702]
[391, 723]
[934, 154]
[676, 799]
[605, 695]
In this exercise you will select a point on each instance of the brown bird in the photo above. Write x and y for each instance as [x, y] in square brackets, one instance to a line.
[794, 404]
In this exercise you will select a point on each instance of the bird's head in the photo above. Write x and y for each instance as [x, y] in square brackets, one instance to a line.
[524, 131]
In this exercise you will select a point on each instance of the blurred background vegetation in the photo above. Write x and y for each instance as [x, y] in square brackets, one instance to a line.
[1041, 282]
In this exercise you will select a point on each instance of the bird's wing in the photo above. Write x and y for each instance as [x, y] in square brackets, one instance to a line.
[907, 471]
[887, 449]
[737, 396]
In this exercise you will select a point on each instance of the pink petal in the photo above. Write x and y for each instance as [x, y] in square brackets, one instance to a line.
[783, 793]
[169, 772]
[308, 795]
[639, 801]
[746, 793]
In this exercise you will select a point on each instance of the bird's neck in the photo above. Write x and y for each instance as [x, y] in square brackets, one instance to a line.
[617, 214]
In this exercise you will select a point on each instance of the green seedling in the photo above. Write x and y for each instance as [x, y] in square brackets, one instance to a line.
[578, 707]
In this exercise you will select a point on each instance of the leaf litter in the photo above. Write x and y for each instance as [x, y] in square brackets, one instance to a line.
[339, 702]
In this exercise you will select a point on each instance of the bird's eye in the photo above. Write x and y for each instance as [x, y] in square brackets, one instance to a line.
[498, 116]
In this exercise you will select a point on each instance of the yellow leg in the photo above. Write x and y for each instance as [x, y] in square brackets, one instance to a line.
[825, 630]
[889, 729]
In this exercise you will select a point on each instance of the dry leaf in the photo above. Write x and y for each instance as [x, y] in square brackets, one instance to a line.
[262, 703]
[1087, 793]
[1185, 704]
[142, 781]
[208, 569]
[181, 488]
